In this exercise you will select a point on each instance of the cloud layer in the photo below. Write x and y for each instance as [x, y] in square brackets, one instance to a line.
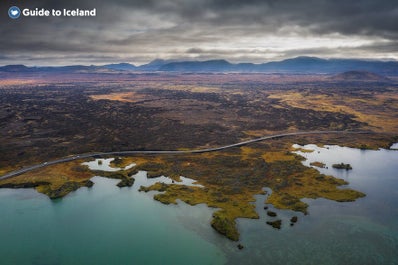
[240, 31]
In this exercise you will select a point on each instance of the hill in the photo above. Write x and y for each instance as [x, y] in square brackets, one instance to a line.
[199, 66]
[359, 76]
[121, 66]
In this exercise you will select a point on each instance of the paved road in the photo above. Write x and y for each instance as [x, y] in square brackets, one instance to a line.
[169, 152]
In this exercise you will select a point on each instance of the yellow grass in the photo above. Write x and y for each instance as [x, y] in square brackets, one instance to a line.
[120, 96]
[380, 111]
[277, 156]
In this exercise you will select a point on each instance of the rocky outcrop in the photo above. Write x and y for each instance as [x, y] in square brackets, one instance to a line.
[342, 166]
[271, 213]
[275, 224]
[125, 182]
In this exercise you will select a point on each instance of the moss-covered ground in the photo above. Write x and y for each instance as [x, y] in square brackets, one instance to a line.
[230, 178]
[56, 181]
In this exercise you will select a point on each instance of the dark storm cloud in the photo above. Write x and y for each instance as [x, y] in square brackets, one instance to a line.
[142, 30]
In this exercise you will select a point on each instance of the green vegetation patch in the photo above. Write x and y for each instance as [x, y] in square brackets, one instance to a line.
[63, 190]
[230, 206]
[317, 164]
[342, 166]
[230, 179]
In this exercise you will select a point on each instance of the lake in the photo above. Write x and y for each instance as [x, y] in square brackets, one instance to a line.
[360, 232]
[108, 225]
[104, 225]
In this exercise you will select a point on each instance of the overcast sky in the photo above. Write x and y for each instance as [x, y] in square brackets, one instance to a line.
[138, 31]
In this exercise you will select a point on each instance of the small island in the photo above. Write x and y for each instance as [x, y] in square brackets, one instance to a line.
[275, 224]
[342, 166]
[317, 164]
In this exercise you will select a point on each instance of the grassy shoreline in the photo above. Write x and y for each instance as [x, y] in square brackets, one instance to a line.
[230, 178]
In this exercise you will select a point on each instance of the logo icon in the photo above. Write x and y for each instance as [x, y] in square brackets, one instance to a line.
[14, 12]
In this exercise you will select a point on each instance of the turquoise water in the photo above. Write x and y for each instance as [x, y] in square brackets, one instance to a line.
[108, 225]
[104, 225]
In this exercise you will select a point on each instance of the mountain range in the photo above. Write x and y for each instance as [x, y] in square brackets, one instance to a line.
[298, 65]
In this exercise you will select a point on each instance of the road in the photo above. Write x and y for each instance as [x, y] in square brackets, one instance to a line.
[169, 152]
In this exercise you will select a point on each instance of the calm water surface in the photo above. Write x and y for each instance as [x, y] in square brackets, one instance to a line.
[108, 225]
[360, 232]
[104, 225]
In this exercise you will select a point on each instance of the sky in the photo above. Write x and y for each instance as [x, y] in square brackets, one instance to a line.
[138, 31]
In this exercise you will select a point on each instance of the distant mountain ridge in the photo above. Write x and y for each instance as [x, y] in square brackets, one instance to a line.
[358, 76]
[298, 65]
[121, 66]
[198, 66]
